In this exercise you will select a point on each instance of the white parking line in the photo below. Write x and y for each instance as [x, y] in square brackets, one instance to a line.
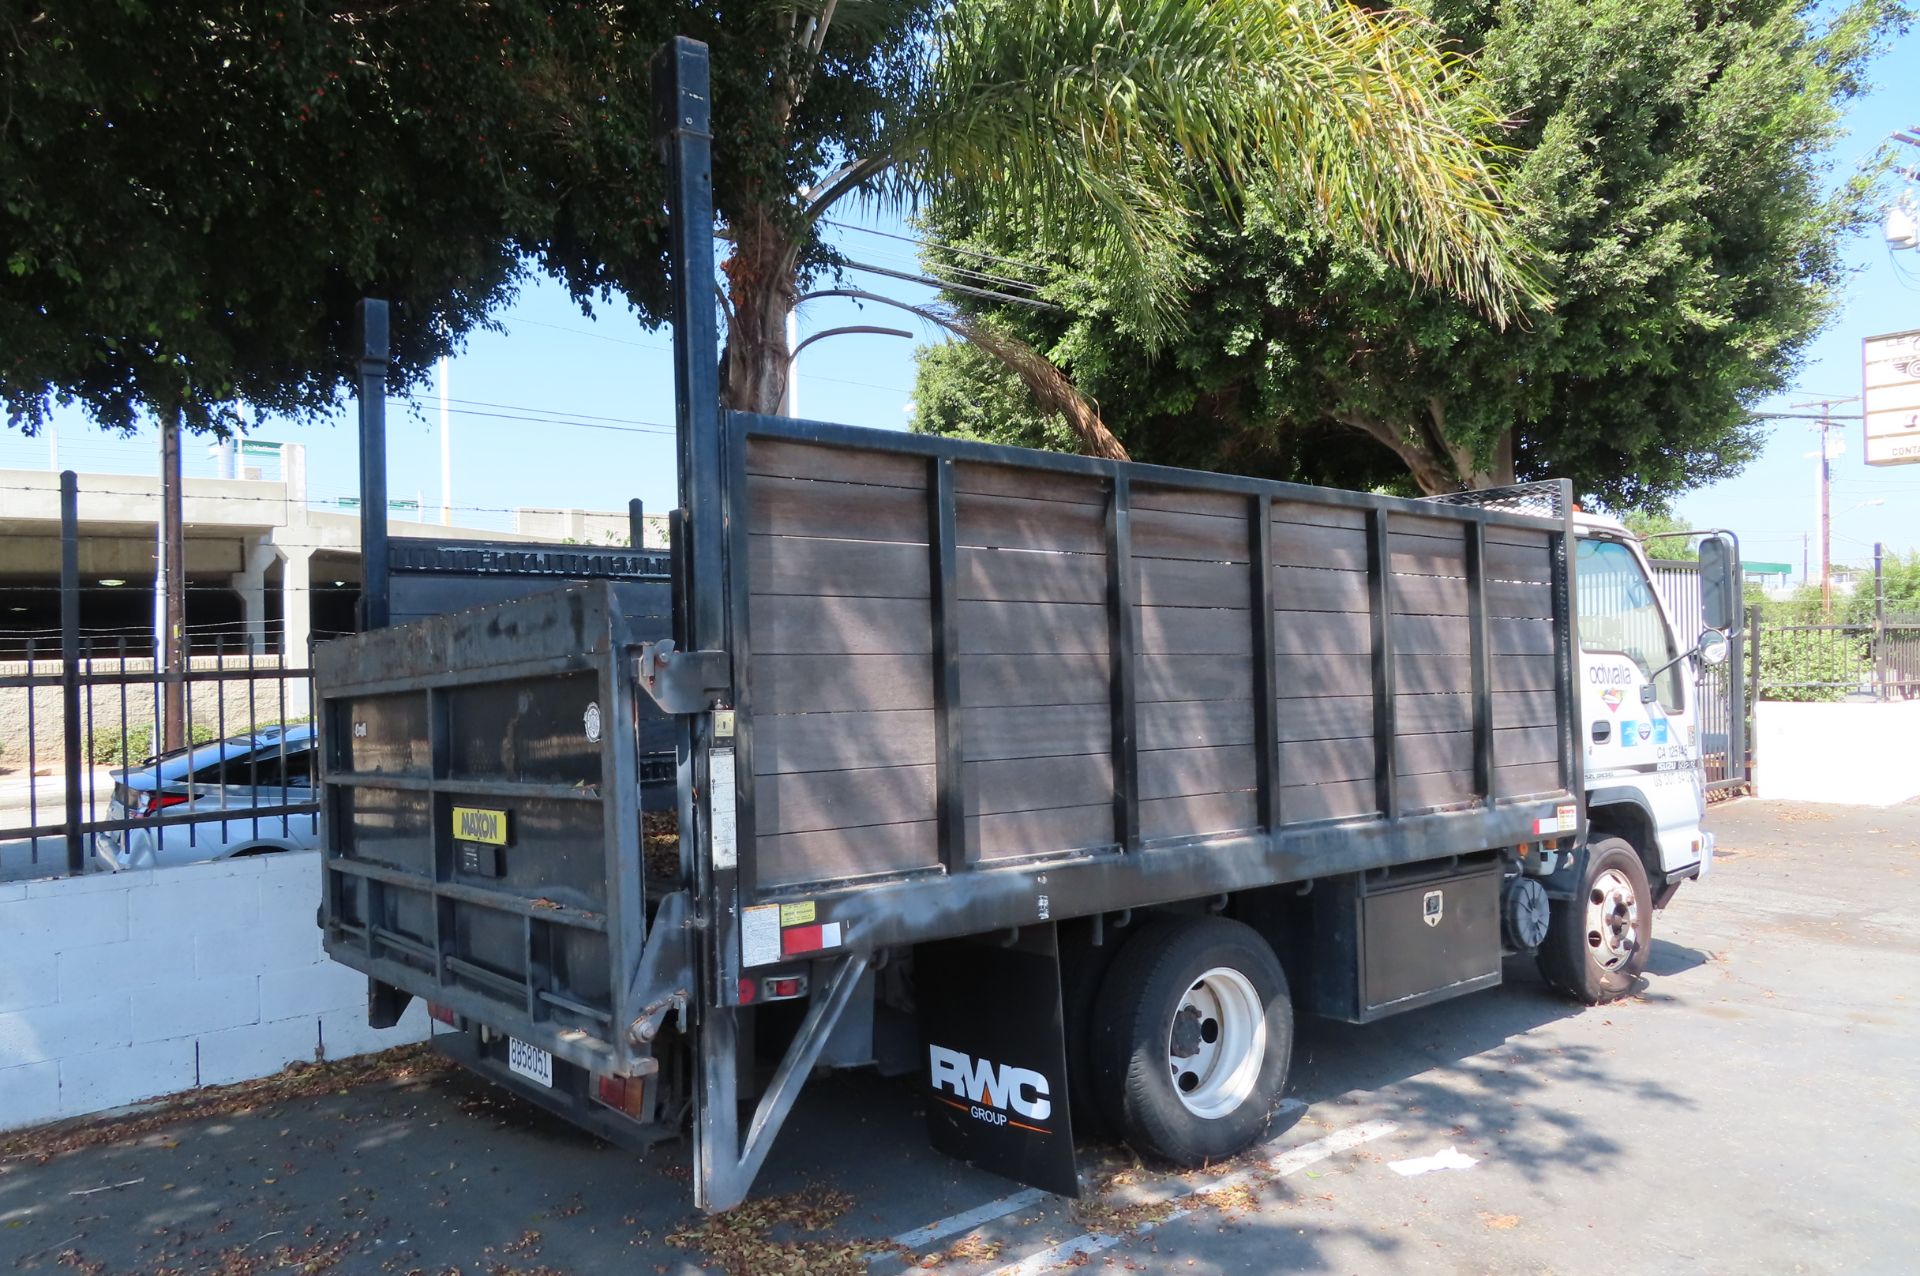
[1291, 1161]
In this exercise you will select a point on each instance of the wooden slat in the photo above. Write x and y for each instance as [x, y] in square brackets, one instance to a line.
[1328, 801]
[1436, 788]
[1526, 777]
[1034, 784]
[1522, 745]
[1317, 589]
[836, 511]
[1011, 575]
[1525, 537]
[1310, 632]
[788, 459]
[1434, 527]
[1327, 761]
[1510, 562]
[1183, 772]
[1424, 673]
[1162, 533]
[1338, 548]
[1160, 676]
[807, 801]
[783, 624]
[1194, 631]
[1040, 485]
[1021, 833]
[1523, 709]
[1190, 500]
[826, 683]
[1012, 522]
[1197, 814]
[1035, 732]
[1425, 556]
[1429, 596]
[1313, 674]
[785, 858]
[994, 628]
[1434, 751]
[1522, 637]
[1193, 724]
[1314, 514]
[1431, 636]
[1324, 717]
[784, 743]
[986, 681]
[1519, 598]
[1186, 582]
[861, 569]
[1437, 711]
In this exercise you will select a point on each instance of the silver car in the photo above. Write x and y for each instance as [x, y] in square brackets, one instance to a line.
[228, 783]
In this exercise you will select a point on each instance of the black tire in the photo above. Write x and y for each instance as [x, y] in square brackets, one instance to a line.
[1575, 957]
[1133, 1022]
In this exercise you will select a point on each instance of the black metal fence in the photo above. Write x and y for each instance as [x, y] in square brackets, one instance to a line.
[1721, 691]
[86, 775]
[1873, 661]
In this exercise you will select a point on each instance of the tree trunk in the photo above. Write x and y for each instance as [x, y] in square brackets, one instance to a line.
[1435, 464]
[760, 296]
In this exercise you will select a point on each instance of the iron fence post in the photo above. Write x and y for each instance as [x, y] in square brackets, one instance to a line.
[370, 354]
[70, 659]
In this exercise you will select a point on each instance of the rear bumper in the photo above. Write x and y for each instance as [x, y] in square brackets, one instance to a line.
[568, 1098]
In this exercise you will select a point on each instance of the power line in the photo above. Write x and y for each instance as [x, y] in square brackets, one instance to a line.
[976, 253]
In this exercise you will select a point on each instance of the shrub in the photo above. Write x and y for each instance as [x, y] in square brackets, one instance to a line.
[1836, 661]
[107, 746]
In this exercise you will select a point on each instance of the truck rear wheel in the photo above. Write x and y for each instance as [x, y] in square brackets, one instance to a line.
[1192, 1036]
[1600, 939]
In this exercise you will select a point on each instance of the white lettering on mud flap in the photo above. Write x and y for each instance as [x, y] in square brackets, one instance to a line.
[997, 1086]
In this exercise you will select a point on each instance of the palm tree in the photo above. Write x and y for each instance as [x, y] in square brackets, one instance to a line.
[1096, 122]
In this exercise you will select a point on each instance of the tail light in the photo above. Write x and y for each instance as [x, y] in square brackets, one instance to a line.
[443, 1013]
[626, 1095]
[157, 802]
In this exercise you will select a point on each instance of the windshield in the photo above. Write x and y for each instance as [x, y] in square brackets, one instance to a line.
[1619, 613]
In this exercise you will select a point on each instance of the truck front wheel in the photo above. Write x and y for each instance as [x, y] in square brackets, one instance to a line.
[1192, 1036]
[1600, 939]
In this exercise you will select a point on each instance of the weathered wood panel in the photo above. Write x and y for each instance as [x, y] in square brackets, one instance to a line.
[841, 741]
[1035, 732]
[783, 624]
[1160, 676]
[1183, 772]
[1433, 751]
[1321, 632]
[1429, 596]
[809, 567]
[1016, 834]
[1519, 598]
[1420, 674]
[1524, 709]
[1311, 674]
[1327, 761]
[1435, 788]
[1031, 784]
[1189, 500]
[1521, 637]
[782, 458]
[1431, 636]
[808, 801]
[1427, 556]
[789, 858]
[1193, 631]
[836, 511]
[1039, 485]
[1526, 778]
[996, 628]
[1192, 724]
[1319, 589]
[822, 683]
[1016, 522]
[1161, 533]
[1516, 746]
[1316, 514]
[1197, 814]
[1514, 562]
[1012, 575]
[1324, 717]
[1336, 548]
[1302, 803]
[1186, 582]
[986, 681]
[1415, 713]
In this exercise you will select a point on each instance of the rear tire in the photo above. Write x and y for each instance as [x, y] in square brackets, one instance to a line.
[1600, 939]
[1192, 1037]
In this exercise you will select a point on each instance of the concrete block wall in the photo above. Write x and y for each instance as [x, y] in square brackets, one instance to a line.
[120, 987]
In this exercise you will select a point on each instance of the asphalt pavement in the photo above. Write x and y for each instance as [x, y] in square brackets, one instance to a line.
[1752, 1110]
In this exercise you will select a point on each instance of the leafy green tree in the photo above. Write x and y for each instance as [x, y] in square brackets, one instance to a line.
[1660, 526]
[1899, 586]
[1672, 169]
[192, 195]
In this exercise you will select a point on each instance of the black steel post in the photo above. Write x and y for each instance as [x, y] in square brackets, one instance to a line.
[1481, 647]
[173, 587]
[1266, 683]
[1122, 594]
[70, 660]
[370, 352]
[949, 757]
[637, 524]
[1380, 591]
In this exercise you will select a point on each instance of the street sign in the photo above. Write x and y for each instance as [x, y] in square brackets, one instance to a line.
[1890, 397]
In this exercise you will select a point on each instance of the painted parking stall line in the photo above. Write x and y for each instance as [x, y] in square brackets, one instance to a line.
[1292, 1161]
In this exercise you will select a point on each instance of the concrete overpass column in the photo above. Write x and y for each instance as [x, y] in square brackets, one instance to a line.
[250, 582]
[296, 611]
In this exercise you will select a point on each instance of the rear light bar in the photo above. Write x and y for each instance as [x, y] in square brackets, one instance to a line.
[443, 1013]
[161, 801]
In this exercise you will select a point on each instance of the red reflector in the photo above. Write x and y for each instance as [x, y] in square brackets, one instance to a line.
[748, 991]
[800, 939]
[443, 1013]
[622, 1094]
[789, 987]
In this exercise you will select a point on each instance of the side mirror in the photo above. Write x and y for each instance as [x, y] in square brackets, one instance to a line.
[1719, 586]
[1712, 648]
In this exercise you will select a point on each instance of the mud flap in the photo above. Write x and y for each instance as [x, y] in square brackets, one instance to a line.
[996, 1060]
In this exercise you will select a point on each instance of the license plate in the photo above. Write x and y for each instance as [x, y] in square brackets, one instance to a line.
[530, 1062]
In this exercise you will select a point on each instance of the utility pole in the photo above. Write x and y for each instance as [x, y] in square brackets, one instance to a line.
[1825, 474]
[173, 586]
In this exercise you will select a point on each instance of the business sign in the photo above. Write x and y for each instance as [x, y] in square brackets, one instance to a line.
[1890, 397]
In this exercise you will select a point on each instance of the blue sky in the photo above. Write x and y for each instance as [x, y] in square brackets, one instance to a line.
[607, 371]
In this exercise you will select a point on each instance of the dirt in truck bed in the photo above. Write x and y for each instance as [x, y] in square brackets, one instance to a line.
[660, 845]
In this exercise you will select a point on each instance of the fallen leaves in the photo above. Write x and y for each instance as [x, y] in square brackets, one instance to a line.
[742, 1241]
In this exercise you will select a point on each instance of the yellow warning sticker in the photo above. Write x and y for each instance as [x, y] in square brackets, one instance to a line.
[471, 824]
[796, 914]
